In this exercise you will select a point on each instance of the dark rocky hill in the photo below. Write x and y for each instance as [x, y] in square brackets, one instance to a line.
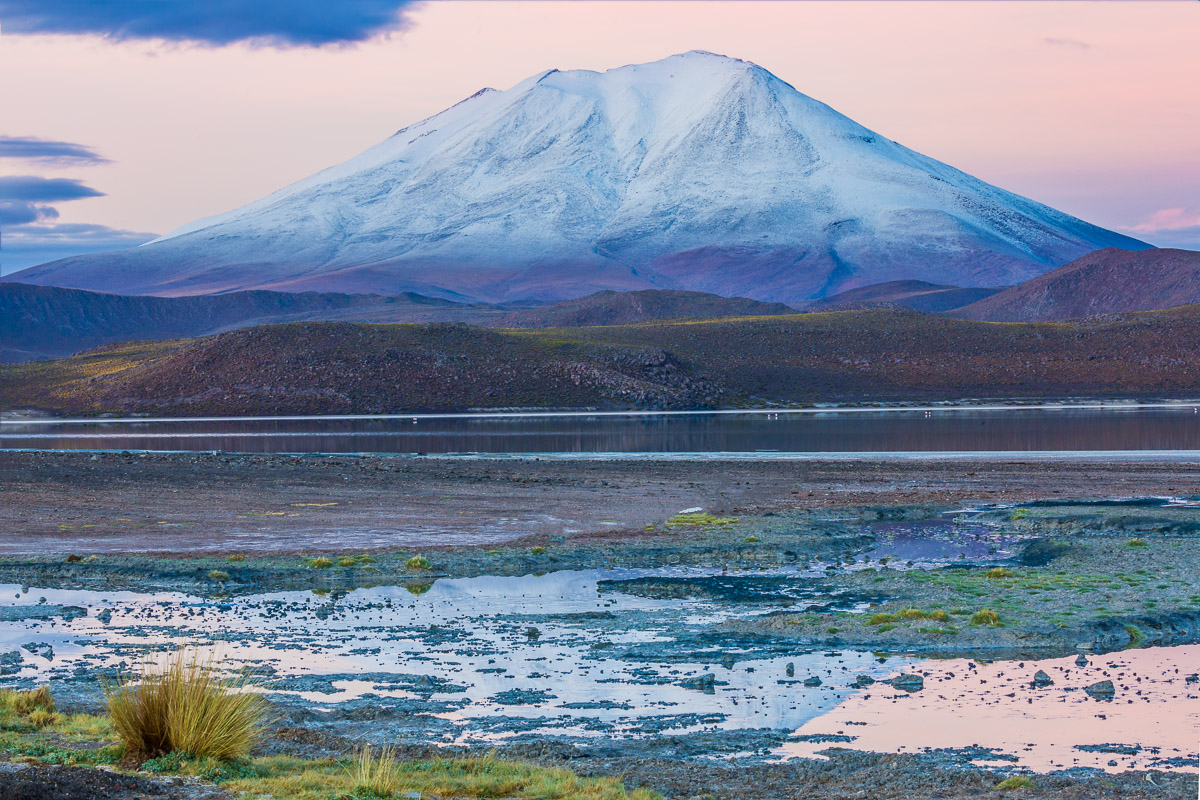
[1108, 281]
[917, 295]
[623, 308]
[852, 356]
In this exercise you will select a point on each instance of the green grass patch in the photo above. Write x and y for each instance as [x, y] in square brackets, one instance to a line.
[417, 562]
[1015, 782]
[699, 518]
[985, 617]
[320, 562]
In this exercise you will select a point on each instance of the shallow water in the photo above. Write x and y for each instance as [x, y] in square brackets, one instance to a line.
[919, 430]
[607, 655]
[1152, 722]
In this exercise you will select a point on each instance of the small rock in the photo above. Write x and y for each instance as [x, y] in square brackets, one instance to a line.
[1193, 678]
[812, 682]
[704, 683]
[1041, 680]
[863, 681]
[1081, 660]
[1104, 690]
[790, 669]
[908, 682]
[105, 616]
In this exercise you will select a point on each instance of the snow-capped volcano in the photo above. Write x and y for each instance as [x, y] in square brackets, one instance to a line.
[695, 172]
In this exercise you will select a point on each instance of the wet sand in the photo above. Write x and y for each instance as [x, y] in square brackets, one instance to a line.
[64, 502]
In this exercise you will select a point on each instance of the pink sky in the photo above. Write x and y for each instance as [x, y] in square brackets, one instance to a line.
[1091, 107]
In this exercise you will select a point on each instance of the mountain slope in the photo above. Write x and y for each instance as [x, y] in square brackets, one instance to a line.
[1109, 281]
[697, 172]
[917, 295]
[876, 355]
[623, 308]
[43, 321]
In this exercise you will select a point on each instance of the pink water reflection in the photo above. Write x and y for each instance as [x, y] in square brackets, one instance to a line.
[995, 706]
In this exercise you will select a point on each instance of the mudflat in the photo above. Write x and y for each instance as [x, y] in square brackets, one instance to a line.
[69, 502]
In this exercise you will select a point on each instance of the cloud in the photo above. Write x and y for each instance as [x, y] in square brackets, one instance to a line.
[33, 188]
[279, 23]
[30, 245]
[48, 151]
[23, 198]
[1060, 41]
[1168, 219]
[1170, 227]
[15, 212]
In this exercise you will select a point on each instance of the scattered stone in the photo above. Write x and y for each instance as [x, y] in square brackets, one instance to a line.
[908, 682]
[1081, 660]
[1041, 680]
[863, 681]
[105, 616]
[1193, 678]
[790, 669]
[705, 683]
[812, 682]
[1103, 690]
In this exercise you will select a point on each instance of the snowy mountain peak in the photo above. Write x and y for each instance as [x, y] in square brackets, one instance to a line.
[699, 171]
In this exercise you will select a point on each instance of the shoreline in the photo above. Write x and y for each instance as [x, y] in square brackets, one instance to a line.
[1065, 404]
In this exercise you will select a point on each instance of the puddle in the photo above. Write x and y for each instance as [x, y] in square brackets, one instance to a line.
[938, 542]
[1152, 721]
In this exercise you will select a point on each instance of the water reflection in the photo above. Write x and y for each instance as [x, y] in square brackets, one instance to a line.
[1009, 429]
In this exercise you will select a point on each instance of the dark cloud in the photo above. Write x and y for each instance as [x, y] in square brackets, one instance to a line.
[35, 189]
[48, 151]
[16, 212]
[281, 23]
[30, 245]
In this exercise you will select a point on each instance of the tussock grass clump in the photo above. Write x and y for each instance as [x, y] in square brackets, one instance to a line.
[236, 558]
[917, 613]
[218, 575]
[999, 572]
[1136, 543]
[699, 518]
[320, 562]
[347, 561]
[33, 708]
[376, 774]
[417, 562]
[886, 618]
[537, 551]
[1015, 782]
[184, 705]
[985, 617]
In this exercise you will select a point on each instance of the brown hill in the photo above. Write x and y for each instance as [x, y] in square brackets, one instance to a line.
[917, 295]
[623, 308]
[1108, 281]
[47, 321]
[876, 355]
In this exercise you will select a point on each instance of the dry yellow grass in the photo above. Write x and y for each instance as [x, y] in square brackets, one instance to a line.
[185, 705]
